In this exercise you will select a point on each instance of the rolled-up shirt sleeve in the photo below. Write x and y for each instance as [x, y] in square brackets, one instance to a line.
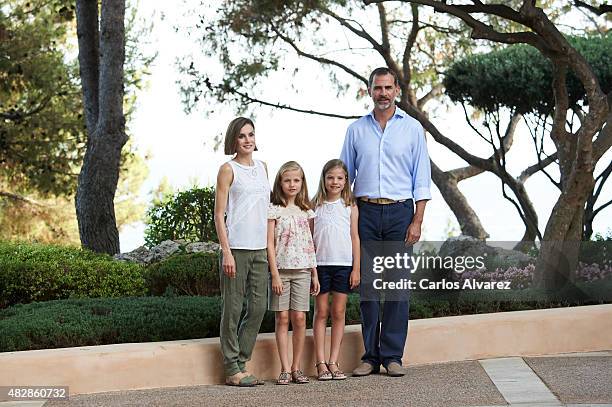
[421, 172]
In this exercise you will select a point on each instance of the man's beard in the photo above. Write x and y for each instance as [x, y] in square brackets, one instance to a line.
[384, 105]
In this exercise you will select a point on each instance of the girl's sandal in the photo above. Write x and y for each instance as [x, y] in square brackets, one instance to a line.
[284, 378]
[325, 374]
[297, 376]
[336, 374]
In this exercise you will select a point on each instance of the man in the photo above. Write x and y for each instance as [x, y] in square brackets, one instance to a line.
[386, 155]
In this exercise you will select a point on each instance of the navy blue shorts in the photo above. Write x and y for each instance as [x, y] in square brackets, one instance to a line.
[334, 278]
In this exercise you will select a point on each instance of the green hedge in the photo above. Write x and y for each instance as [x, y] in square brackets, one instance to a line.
[185, 274]
[41, 272]
[80, 322]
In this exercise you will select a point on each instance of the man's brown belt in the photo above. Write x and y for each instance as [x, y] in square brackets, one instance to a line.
[380, 201]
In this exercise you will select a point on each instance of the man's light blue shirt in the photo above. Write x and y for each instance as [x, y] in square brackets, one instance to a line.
[390, 164]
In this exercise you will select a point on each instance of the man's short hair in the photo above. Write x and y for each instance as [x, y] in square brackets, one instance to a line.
[383, 70]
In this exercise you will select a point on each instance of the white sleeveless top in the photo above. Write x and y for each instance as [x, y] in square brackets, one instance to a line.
[247, 207]
[332, 234]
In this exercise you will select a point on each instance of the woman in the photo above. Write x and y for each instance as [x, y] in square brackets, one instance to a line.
[243, 194]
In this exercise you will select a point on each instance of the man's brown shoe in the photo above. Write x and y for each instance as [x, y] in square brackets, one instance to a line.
[363, 369]
[395, 369]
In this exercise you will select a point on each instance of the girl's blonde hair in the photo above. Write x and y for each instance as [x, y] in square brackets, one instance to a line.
[232, 133]
[346, 194]
[277, 197]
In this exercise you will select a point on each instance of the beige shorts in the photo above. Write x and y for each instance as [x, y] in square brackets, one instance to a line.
[296, 291]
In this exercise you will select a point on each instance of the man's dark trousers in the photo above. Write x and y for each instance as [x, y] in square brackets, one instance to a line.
[384, 339]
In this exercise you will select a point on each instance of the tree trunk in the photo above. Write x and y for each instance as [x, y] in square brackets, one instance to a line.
[529, 215]
[103, 102]
[558, 257]
[468, 220]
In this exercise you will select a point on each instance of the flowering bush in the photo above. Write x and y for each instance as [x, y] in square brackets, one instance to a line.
[593, 272]
[521, 278]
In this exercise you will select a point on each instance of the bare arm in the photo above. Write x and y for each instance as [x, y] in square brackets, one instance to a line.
[355, 277]
[413, 234]
[277, 285]
[315, 287]
[224, 180]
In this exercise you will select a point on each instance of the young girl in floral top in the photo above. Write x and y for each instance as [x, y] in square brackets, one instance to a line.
[292, 260]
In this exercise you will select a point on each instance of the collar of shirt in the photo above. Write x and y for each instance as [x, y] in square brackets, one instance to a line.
[398, 113]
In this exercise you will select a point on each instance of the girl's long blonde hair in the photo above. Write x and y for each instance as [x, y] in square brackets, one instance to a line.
[346, 194]
[277, 197]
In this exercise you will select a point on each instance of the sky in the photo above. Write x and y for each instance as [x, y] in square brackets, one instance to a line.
[181, 145]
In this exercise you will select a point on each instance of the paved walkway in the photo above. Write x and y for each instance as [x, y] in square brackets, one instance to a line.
[571, 380]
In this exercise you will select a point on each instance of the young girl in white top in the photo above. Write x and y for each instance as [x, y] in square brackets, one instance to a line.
[292, 265]
[242, 193]
[336, 241]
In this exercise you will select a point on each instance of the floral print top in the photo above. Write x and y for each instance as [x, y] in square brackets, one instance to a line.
[292, 237]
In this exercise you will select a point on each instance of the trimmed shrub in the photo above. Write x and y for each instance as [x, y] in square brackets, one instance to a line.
[187, 215]
[185, 274]
[38, 272]
[81, 322]
[518, 77]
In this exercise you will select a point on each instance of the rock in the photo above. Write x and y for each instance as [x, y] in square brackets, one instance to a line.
[493, 256]
[464, 246]
[139, 255]
[202, 247]
[165, 249]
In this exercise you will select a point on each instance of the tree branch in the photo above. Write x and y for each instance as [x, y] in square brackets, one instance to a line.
[249, 99]
[602, 207]
[599, 10]
[17, 116]
[21, 198]
[440, 138]
[320, 60]
[384, 28]
[603, 142]
[380, 48]
[443, 30]
[602, 178]
[385, 50]
[359, 32]
[414, 31]
[460, 174]
[540, 165]
[481, 30]
[435, 91]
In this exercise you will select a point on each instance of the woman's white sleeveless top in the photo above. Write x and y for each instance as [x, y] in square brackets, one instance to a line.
[332, 234]
[247, 207]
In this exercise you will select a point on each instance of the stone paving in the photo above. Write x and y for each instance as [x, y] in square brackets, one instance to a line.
[574, 380]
